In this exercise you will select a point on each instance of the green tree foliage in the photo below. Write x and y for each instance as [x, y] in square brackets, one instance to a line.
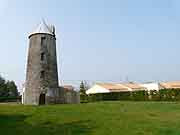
[3, 90]
[139, 95]
[83, 96]
[154, 95]
[12, 89]
[170, 94]
[82, 88]
[7, 88]
[109, 96]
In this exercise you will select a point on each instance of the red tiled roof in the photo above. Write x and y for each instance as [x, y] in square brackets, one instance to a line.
[113, 87]
[68, 87]
[170, 85]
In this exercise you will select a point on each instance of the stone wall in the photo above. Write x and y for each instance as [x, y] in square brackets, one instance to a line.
[63, 96]
[41, 67]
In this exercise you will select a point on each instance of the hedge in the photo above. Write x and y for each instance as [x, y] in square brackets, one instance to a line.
[10, 99]
[169, 94]
[154, 95]
[83, 98]
[138, 95]
[109, 96]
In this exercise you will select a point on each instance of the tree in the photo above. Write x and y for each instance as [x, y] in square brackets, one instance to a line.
[82, 88]
[8, 88]
[2, 81]
[12, 89]
[83, 96]
[3, 92]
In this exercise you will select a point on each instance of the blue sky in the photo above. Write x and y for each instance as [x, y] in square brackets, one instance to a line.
[96, 39]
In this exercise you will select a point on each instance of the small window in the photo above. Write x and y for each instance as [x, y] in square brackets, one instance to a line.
[43, 41]
[42, 75]
[42, 56]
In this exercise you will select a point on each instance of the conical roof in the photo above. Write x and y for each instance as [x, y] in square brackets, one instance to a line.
[44, 28]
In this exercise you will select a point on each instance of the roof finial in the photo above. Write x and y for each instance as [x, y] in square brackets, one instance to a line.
[44, 28]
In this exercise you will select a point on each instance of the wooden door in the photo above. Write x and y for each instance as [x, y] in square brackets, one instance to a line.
[42, 99]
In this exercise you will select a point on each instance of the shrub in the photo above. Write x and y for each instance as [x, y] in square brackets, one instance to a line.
[169, 94]
[165, 95]
[139, 95]
[109, 96]
[10, 99]
[176, 93]
[95, 97]
[154, 95]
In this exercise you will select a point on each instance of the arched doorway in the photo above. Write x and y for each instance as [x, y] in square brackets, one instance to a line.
[42, 99]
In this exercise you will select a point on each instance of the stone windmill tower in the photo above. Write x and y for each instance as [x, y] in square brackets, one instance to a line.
[42, 75]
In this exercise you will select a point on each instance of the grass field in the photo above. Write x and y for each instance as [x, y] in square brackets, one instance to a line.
[103, 118]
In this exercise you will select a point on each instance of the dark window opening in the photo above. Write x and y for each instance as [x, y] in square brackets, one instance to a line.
[42, 56]
[43, 41]
[42, 74]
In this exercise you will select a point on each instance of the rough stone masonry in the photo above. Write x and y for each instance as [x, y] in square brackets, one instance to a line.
[41, 85]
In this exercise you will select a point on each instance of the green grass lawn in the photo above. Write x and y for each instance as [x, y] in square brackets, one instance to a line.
[102, 118]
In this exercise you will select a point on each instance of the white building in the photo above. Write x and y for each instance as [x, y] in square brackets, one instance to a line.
[106, 88]
[162, 85]
[117, 87]
[152, 86]
[124, 87]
